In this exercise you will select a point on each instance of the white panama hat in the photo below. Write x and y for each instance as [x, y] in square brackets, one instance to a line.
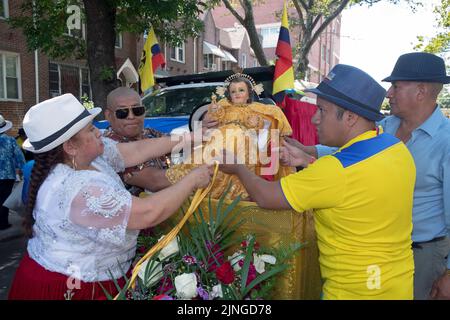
[5, 125]
[52, 122]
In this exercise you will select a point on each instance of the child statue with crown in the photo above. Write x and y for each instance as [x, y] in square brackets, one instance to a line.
[251, 133]
[248, 130]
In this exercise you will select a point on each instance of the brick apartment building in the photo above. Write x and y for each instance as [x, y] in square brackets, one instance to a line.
[27, 78]
[225, 43]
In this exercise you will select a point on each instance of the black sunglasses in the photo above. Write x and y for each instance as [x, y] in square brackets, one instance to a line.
[122, 113]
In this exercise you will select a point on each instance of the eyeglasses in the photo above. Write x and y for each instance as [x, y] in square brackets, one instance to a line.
[122, 113]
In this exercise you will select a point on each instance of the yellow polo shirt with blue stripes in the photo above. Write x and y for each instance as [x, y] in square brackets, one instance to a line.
[362, 196]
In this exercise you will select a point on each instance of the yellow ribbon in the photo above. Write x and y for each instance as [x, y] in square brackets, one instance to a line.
[196, 200]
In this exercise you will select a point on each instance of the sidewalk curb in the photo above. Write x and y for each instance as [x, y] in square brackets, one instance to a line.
[15, 231]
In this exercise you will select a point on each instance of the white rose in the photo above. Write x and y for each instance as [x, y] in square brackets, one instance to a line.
[234, 260]
[154, 272]
[259, 263]
[267, 258]
[169, 249]
[186, 285]
[216, 291]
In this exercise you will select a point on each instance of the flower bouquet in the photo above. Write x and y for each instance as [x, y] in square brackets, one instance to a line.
[208, 260]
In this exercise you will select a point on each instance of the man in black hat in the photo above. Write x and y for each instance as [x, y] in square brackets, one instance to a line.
[417, 120]
[362, 194]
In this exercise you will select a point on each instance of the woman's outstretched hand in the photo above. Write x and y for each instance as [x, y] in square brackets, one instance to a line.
[202, 175]
[228, 162]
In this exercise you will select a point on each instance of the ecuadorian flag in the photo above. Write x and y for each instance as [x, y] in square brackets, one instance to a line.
[284, 73]
[151, 59]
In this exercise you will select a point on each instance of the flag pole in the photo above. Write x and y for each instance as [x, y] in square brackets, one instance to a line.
[151, 59]
[284, 71]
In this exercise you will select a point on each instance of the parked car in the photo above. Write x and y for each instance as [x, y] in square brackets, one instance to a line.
[171, 108]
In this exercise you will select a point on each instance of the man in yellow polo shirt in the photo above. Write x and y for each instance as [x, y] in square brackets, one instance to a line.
[362, 194]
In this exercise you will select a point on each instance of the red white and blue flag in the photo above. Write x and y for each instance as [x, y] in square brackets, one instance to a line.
[151, 59]
[284, 73]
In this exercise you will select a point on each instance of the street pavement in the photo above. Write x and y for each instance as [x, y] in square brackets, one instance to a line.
[12, 247]
[15, 231]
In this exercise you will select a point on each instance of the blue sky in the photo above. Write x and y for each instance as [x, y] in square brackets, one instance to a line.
[372, 38]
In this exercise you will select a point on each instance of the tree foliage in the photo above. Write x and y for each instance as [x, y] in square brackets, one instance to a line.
[44, 24]
[46, 30]
[248, 21]
[444, 99]
[311, 16]
[440, 43]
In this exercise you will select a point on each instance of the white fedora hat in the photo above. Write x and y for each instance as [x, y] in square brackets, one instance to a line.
[5, 125]
[52, 122]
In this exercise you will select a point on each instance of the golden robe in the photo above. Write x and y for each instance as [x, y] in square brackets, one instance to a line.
[242, 129]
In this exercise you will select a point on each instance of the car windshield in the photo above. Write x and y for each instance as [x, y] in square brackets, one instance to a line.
[178, 102]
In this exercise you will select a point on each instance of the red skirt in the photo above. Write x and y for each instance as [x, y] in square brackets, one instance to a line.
[34, 282]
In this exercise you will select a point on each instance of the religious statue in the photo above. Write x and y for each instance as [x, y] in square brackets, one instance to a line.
[249, 130]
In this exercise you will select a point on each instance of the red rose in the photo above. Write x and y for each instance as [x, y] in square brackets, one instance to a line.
[142, 249]
[225, 273]
[245, 243]
[165, 285]
[162, 297]
[251, 274]
[215, 258]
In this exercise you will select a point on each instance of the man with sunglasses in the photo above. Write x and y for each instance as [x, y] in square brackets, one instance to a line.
[125, 114]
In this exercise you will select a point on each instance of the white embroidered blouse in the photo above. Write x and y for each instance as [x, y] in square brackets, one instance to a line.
[81, 219]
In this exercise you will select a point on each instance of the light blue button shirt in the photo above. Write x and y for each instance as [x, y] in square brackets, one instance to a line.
[430, 147]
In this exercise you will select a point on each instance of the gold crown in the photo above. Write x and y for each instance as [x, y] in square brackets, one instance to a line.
[258, 88]
[240, 75]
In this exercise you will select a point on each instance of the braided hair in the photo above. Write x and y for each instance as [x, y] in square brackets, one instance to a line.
[44, 163]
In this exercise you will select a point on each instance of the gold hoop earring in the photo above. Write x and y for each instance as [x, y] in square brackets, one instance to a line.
[74, 164]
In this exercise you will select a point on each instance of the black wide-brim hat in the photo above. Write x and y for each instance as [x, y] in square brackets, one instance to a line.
[420, 67]
[352, 89]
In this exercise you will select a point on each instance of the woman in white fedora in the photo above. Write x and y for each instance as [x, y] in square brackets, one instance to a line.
[84, 224]
[11, 160]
